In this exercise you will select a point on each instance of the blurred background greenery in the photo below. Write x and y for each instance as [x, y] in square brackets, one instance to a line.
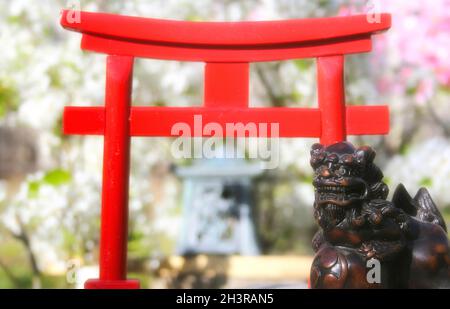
[50, 183]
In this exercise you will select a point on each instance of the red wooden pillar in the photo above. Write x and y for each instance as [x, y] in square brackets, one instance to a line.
[226, 84]
[116, 169]
[331, 95]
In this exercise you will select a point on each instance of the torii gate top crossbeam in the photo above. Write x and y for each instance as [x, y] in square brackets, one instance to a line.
[247, 41]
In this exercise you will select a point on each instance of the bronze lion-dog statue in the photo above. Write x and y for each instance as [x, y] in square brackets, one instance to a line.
[358, 225]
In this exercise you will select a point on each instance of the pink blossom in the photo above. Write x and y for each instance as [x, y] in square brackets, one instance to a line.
[419, 34]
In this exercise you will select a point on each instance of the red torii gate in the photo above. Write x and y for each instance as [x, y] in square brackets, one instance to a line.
[227, 48]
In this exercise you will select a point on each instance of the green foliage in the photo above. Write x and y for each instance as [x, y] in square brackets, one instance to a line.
[14, 257]
[58, 129]
[55, 76]
[70, 241]
[306, 178]
[137, 245]
[15, 19]
[303, 64]
[57, 177]
[54, 281]
[144, 279]
[426, 182]
[446, 215]
[404, 149]
[296, 96]
[33, 189]
[54, 178]
[9, 97]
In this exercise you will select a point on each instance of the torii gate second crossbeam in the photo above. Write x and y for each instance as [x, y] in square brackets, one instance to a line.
[227, 48]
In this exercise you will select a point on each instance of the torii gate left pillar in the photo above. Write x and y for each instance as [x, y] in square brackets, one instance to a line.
[116, 169]
[227, 49]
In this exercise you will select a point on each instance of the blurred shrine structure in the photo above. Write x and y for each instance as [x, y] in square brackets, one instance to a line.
[227, 49]
[218, 207]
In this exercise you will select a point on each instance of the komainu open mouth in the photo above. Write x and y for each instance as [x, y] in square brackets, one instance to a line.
[340, 195]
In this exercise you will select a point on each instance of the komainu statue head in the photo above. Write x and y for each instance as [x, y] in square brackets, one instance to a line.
[344, 177]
